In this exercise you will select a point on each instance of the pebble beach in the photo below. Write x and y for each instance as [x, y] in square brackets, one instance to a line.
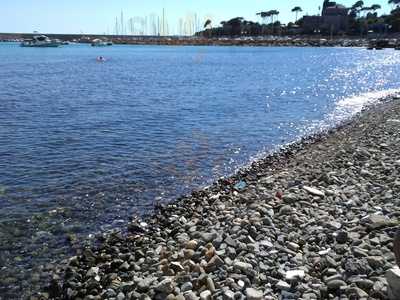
[315, 220]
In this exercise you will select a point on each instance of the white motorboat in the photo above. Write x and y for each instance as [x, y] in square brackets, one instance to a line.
[100, 43]
[40, 41]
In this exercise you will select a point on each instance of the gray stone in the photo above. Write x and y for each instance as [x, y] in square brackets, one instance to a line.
[358, 293]
[282, 285]
[285, 210]
[242, 266]
[210, 284]
[93, 271]
[176, 266]
[230, 241]
[228, 295]
[144, 284]
[335, 225]
[253, 294]
[208, 236]
[335, 284]
[205, 295]
[166, 286]
[313, 191]
[393, 279]
[364, 283]
[376, 261]
[396, 246]
[190, 296]
[187, 286]
[294, 275]
[379, 221]
[342, 237]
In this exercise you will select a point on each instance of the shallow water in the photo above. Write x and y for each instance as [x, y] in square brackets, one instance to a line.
[85, 145]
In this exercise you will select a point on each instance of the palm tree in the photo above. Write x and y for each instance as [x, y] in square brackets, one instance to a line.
[264, 15]
[375, 7]
[296, 10]
[359, 4]
[208, 27]
[357, 7]
[207, 24]
[366, 9]
[274, 13]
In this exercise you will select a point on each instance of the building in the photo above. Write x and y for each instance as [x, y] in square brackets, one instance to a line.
[334, 19]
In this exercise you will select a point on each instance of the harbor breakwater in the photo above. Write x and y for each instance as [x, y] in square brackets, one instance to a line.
[261, 41]
[313, 221]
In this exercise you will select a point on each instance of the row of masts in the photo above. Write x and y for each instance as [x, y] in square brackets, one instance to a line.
[155, 25]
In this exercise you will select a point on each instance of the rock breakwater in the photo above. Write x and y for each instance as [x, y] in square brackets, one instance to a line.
[314, 221]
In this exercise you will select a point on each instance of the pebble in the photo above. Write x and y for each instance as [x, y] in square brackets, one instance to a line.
[282, 285]
[294, 275]
[253, 294]
[205, 295]
[335, 284]
[314, 191]
[393, 279]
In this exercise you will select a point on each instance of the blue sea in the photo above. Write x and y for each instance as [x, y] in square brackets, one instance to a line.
[85, 145]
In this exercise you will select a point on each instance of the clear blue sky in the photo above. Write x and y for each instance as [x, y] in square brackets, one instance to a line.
[98, 16]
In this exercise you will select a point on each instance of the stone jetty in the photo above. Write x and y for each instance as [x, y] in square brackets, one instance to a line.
[316, 220]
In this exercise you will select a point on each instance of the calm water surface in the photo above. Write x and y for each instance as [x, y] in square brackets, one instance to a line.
[85, 145]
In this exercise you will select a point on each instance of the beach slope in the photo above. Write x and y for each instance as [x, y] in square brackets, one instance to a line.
[313, 221]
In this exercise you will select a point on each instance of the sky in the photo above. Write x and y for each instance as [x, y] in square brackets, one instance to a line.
[99, 16]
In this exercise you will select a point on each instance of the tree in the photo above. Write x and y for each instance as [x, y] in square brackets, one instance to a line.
[207, 24]
[208, 27]
[366, 9]
[357, 7]
[264, 15]
[375, 7]
[235, 25]
[273, 13]
[296, 10]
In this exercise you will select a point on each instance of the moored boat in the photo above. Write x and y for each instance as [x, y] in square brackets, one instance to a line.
[40, 41]
[100, 43]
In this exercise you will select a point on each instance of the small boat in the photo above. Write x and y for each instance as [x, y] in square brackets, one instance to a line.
[101, 59]
[40, 41]
[100, 43]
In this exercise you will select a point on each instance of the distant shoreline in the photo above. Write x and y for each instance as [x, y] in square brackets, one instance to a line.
[260, 41]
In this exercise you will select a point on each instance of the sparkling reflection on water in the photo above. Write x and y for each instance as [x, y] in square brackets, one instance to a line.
[84, 145]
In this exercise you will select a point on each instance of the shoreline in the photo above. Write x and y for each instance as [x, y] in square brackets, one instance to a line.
[241, 235]
[251, 41]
